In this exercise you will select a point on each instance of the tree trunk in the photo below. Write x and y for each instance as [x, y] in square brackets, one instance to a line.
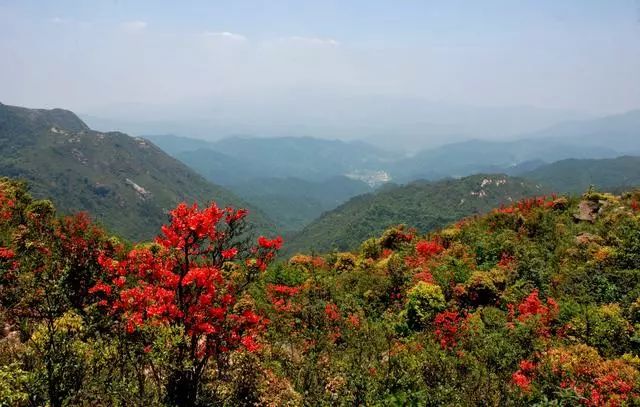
[182, 388]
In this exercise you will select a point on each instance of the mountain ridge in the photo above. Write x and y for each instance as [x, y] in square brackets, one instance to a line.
[125, 182]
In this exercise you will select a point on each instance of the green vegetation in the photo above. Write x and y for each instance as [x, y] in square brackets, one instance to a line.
[124, 182]
[422, 205]
[575, 176]
[533, 303]
[293, 203]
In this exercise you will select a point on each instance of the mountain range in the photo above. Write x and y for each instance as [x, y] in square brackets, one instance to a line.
[241, 158]
[126, 183]
[324, 194]
[238, 159]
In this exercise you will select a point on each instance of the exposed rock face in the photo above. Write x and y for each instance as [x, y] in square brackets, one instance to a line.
[587, 211]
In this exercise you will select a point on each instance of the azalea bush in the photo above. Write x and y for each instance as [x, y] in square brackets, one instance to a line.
[526, 305]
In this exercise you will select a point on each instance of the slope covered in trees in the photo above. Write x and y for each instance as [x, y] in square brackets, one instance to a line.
[576, 176]
[421, 204]
[293, 203]
[534, 303]
[127, 183]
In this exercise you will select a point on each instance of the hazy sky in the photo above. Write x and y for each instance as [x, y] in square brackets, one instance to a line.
[90, 55]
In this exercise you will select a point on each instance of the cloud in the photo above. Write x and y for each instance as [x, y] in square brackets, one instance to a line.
[136, 25]
[314, 40]
[226, 34]
[58, 20]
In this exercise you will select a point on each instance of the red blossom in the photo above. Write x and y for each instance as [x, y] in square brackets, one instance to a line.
[354, 321]
[229, 253]
[280, 296]
[448, 325]
[265, 243]
[332, 312]
[6, 253]
[522, 381]
[425, 276]
[179, 282]
[532, 308]
[526, 205]
[429, 248]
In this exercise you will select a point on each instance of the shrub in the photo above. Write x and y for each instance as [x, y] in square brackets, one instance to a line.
[424, 300]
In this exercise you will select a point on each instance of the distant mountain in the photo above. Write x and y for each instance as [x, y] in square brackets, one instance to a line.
[389, 121]
[606, 137]
[476, 156]
[619, 132]
[126, 183]
[293, 203]
[242, 158]
[175, 145]
[421, 204]
[622, 173]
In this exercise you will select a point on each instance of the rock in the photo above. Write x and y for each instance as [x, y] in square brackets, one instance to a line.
[587, 238]
[587, 211]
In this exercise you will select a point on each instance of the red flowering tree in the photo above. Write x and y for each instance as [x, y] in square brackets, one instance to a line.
[47, 265]
[185, 281]
[449, 326]
[532, 310]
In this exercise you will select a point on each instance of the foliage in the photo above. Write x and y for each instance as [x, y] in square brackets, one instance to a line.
[530, 304]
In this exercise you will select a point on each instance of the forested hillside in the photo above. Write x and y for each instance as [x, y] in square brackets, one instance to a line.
[576, 175]
[421, 204]
[534, 303]
[126, 183]
[293, 203]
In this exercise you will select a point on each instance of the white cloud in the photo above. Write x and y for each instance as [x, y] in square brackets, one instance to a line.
[314, 40]
[136, 25]
[58, 20]
[226, 34]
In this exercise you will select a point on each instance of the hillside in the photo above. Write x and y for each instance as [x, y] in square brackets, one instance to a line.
[575, 176]
[126, 183]
[534, 303]
[421, 204]
[293, 203]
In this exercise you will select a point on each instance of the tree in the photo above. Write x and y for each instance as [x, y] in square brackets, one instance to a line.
[45, 271]
[186, 281]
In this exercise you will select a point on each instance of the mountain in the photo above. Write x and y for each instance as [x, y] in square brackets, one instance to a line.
[293, 180]
[241, 158]
[606, 137]
[421, 204]
[619, 132]
[476, 156]
[577, 175]
[174, 145]
[389, 121]
[293, 203]
[126, 183]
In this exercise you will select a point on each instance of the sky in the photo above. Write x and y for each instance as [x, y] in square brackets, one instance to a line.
[266, 61]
